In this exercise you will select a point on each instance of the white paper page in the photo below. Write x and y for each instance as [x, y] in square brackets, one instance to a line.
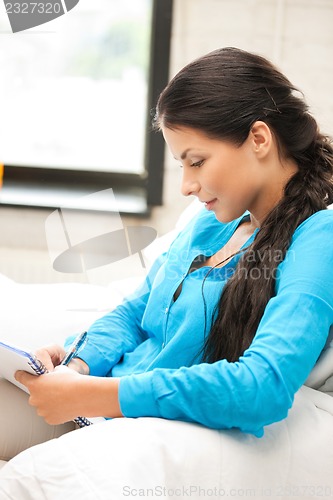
[11, 360]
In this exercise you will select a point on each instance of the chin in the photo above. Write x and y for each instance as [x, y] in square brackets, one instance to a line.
[227, 217]
[223, 219]
[223, 215]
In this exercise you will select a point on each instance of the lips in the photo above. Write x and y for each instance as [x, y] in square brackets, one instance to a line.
[209, 204]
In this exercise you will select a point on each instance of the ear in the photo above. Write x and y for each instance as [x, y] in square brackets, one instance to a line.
[261, 138]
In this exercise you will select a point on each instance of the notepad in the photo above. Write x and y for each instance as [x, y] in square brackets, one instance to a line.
[13, 358]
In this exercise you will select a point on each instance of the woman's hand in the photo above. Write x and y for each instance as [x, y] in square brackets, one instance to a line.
[63, 394]
[53, 394]
[51, 356]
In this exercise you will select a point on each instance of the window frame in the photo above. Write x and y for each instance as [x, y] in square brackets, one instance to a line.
[148, 186]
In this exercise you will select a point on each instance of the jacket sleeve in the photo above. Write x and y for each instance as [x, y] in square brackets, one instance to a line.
[259, 388]
[120, 330]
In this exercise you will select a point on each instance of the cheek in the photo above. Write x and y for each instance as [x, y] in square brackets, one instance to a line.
[246, 175]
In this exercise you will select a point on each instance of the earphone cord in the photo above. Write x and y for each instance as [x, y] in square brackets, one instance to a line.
[204, 280]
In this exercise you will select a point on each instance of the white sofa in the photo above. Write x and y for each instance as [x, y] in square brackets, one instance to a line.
[149, 456]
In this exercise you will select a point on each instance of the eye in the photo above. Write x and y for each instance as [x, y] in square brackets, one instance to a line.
[197, 163]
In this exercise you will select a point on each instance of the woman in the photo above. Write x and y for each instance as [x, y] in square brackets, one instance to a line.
[230, 322]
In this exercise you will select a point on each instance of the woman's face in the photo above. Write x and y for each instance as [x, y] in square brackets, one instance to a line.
[228, 179]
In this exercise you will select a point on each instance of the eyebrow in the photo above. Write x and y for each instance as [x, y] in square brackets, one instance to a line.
[184, 153]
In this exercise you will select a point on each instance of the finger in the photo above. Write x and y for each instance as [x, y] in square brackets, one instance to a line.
[45, 357]
[23, 377]
[50, 355]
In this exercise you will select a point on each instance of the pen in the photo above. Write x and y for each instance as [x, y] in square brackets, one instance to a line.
[75, 347]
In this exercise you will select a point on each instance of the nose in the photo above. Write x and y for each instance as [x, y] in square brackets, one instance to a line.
[190, 186]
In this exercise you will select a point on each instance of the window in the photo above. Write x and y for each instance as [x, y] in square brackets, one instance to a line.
[76, 95]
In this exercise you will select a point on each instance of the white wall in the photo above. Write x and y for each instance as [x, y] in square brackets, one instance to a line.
[297, 35]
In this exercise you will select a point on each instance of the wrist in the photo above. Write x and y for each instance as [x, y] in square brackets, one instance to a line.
[100, 396]
[79, 366]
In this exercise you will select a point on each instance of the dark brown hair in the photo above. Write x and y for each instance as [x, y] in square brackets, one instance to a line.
[223, 94]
